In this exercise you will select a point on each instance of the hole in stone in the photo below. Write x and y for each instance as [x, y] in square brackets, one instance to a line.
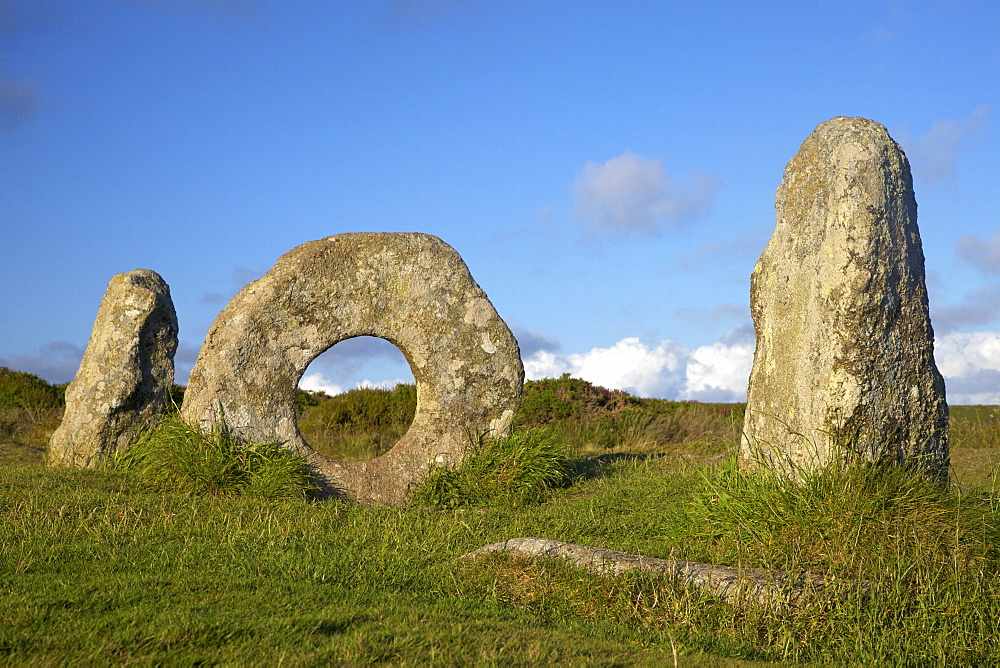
[356, 399]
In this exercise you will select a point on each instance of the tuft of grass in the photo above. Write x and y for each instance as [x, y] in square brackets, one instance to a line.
[927, 553]
[857, 520]
[178, 456]
[516, 470]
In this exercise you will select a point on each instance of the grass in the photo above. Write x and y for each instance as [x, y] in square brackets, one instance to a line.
[175, 455]
[975, 445]
[513, 471]
[106, 567]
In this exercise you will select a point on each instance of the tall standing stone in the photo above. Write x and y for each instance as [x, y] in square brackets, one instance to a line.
[126, 373]
[844, 365]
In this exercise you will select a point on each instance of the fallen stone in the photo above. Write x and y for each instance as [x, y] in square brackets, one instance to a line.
[126, 373]
[733, 585]
[410, 289]
[844, 365]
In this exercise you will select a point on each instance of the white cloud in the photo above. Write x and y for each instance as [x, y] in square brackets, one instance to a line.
[970, 364]
[969, 361]
[717, 372]
[631, 193]
[317, 382]
[544, 364]
[932, 155]
[633, 366]
[381, 384]
[962, 353]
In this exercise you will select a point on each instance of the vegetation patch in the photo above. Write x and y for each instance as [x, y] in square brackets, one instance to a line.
[177, 456]
[591, 420]
[595, 420]
[124, 565]
[837, 521]
[356, 425]
[517, 470]
[30, 410]
[29, 393]
[562, 398]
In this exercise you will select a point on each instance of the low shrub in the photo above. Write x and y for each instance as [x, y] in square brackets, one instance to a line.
[566, 398]
[593, 419]
[306, 399]
[357, 425]
[29, 392]
[30, 410]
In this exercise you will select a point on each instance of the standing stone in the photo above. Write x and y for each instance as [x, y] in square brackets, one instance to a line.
[126, 373]
[413, 290]
[844, 366]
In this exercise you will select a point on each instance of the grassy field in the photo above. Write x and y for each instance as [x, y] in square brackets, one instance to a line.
[110, 566]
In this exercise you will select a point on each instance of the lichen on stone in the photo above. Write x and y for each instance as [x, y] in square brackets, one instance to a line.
[844, 361]
[126, 373]
[410, 289]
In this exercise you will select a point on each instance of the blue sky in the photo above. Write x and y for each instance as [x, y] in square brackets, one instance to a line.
[606, 169]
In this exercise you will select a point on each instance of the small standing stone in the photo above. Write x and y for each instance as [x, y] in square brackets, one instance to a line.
[844, 365]
[126, 373]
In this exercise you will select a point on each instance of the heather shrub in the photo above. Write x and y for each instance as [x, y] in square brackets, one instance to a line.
[30, 410]
[593, 419]
[360, 424]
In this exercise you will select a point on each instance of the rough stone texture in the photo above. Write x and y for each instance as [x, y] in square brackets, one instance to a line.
[844, 361]
[125, 375]
[734, 585]
[410, 289]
